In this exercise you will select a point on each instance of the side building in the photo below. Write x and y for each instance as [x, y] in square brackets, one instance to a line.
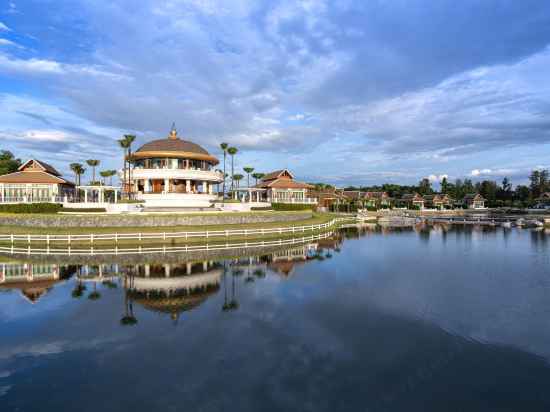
[35, 181]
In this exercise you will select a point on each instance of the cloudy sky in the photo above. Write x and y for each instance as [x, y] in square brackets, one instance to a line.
[347, 92]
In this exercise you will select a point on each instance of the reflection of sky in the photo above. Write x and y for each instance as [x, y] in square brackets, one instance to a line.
[391, 323]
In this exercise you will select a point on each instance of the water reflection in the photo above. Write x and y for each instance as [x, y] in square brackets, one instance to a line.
[423, 318]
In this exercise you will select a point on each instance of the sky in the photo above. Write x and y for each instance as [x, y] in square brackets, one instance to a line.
[338, 91]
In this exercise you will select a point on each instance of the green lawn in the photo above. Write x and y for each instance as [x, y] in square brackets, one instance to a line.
[316, 219]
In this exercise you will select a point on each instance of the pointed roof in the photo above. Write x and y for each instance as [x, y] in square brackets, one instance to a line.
[34, 165]
[35, 171]
[278, 174]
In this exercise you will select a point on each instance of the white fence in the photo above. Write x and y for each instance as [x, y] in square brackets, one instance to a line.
[159, 249]
[143, 236]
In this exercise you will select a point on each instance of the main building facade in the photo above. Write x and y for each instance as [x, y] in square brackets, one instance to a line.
[173, 172]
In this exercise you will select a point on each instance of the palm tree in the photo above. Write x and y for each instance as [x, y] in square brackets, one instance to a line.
[237, 178]
[104, 174]
[124, 144]
[257, 176]
[78, 170]
[224, 147]
[130, 139]
[110, 176]
[232, 152]
[248, 170]
[93, 163]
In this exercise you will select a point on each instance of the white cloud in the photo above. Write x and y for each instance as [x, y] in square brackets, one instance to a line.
[3, 27]
[30, 66]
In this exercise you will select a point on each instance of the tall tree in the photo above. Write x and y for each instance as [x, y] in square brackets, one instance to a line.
[8, 163]
[237, 178]
[124, 144]
[93, 163]
[444, 186]
[78, 171]
[232, 152]
[104, 174]
[224, 147]
[425, 187]
[248, 170]
[257, 176]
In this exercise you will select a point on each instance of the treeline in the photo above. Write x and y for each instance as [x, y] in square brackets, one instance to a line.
[503, 194]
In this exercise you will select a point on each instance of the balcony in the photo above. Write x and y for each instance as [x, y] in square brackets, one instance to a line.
[184, 174]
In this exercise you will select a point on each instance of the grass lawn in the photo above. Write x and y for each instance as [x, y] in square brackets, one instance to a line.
[316, 219]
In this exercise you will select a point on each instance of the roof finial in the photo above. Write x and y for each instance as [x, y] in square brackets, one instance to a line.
[173, 132]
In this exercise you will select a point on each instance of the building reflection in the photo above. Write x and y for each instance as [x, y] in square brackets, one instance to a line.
[171, 289]
[33, 280]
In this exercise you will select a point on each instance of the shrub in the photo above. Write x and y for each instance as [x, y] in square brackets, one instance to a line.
[291, 206]
[30, 208]
[84, 210]
[131, 201]
[261, 208]
[371, 209]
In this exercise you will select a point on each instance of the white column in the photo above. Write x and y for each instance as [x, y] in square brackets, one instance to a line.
[116, 196]
[147, 271]
[85, 195]
[204, 187]
[205, 266]
[147, 185]
[188, 268]
[211, 189]
[167, 270]
[166, 185]
[188, 186]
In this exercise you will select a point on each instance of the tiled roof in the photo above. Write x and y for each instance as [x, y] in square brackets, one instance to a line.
[33, 177]
[43, 165]
[283, 184]
[172, 145]
[274, 175]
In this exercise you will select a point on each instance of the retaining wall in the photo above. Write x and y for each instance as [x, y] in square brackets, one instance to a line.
[143, 220]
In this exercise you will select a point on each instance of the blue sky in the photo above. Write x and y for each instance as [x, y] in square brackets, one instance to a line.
[346, 92]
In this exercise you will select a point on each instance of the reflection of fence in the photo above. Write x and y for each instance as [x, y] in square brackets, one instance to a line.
[160, 249]
[208, 234]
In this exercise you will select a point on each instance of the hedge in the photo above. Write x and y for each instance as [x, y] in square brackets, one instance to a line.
[84, 209]
[291, 206]
[30, 208]
[261, 208]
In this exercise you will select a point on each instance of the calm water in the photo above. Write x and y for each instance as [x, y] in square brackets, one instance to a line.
[435, 319]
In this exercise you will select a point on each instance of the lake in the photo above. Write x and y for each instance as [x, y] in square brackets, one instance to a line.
[435, 318]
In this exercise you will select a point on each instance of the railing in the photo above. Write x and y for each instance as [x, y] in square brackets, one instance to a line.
[31, 199]
[143, 236]
[160, 249]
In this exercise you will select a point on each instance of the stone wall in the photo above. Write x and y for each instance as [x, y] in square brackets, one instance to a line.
[145, 220]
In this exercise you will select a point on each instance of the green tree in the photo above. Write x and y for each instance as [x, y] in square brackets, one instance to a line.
[78, 171]
[425, 187]
[93, 163]
[257, 176]
[232, 152]
[444, 186]
[8, 164]
[248, 170]
[224, 147]
[237, 178]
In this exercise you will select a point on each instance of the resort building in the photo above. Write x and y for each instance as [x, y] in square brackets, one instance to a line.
[412, 201]
[35, 181]
[280, 187]
[328, 198]
[438, 201]
[474, 201]
[173, 172]
[368, 199]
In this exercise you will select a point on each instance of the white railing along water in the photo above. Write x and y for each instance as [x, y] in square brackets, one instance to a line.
[159, 249]
[143, 236]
